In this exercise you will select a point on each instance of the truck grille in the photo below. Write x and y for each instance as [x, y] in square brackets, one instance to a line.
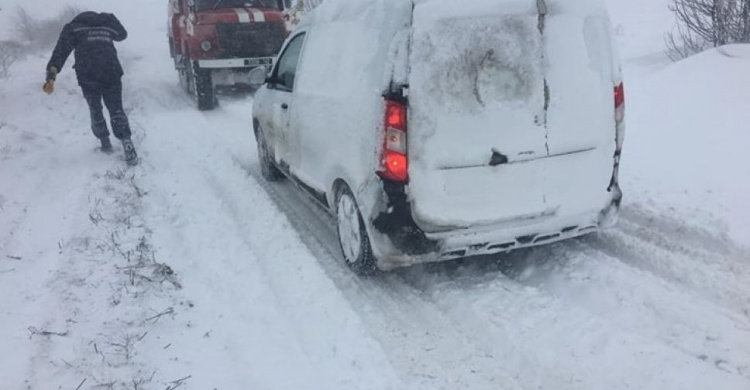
[262, 39]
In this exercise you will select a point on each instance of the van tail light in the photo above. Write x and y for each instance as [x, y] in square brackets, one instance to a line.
[620, 114]
[619, 139]
[620, 102]
[393, 160]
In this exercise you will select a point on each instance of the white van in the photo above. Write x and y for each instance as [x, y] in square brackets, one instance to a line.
[440, 129]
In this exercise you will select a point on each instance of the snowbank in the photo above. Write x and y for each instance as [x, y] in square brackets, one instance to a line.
[687, 140]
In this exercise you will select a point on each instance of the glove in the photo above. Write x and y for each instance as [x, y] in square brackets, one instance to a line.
[49, 85]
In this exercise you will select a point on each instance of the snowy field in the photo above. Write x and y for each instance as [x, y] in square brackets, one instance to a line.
[190, 272]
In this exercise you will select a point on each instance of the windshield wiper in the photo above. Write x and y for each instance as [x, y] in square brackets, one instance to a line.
[217, 4]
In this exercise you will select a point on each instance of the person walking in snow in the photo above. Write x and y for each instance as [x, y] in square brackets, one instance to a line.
[92, 35]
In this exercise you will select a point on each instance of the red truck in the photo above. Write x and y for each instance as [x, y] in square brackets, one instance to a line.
[224, 43]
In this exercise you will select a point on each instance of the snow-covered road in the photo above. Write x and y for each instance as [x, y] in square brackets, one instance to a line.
[594, 313]
[190, 271]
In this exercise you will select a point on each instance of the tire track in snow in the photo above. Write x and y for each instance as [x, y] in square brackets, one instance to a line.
[640, 302]
[712, 267]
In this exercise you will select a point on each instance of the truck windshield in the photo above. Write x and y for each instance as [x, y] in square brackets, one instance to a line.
[202, 5]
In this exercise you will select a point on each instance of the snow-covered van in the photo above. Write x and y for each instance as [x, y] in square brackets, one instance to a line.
[440, 129]
[224, 42]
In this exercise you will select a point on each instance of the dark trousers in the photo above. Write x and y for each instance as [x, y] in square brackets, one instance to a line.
[111, 93]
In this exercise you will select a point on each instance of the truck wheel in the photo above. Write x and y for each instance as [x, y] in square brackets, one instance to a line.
[353, 238]
[202, 88]
[268, 169]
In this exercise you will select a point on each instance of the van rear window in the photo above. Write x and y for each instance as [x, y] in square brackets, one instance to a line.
[480, 62]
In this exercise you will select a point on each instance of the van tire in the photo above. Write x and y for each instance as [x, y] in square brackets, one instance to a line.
[268, 169]
[202, 87]
[354, 241]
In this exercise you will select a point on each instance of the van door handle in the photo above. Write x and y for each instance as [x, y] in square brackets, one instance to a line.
[284, 106]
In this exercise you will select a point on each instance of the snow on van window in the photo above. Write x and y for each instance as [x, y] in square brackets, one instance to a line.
[484, 61]
[332, 71]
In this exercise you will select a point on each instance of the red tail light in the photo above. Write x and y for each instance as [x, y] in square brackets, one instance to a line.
[620, 102]
[619, 120]
[396, 166]
[393, 161]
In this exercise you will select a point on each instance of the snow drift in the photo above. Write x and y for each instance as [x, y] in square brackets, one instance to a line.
[686, 142]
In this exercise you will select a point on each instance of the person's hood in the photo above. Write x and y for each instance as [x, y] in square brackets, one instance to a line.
[90, 18]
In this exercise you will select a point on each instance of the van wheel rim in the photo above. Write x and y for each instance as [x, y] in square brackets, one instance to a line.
[349, 229]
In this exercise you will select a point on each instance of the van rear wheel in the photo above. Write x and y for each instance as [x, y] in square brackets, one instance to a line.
[353, 239]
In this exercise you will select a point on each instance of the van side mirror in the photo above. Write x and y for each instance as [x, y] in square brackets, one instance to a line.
[258, 76]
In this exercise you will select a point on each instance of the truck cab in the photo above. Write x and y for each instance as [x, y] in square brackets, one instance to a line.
[224, 43]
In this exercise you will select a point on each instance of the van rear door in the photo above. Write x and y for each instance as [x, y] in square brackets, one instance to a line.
[582, 73]
[495, 133]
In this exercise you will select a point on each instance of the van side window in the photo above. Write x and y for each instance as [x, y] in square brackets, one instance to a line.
[286, 71]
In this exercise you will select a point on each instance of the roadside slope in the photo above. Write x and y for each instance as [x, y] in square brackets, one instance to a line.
[686, 127]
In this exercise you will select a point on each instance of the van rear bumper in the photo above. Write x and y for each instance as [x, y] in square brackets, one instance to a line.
[399, 242]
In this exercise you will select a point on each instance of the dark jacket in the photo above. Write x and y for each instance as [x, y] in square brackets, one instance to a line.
[91, 35]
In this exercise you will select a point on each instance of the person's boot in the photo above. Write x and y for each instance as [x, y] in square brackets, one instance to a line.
[106, 145]
[131, 157]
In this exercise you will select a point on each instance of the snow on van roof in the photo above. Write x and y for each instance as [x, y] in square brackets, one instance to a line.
[375, 12]
[441, 8]
[370, 11]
